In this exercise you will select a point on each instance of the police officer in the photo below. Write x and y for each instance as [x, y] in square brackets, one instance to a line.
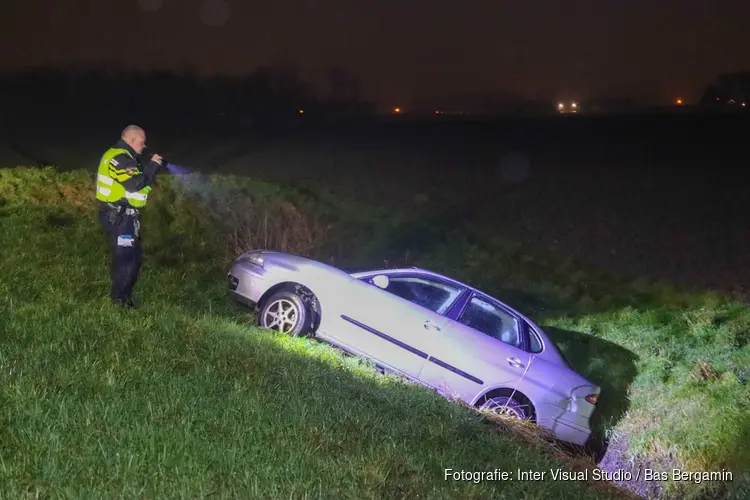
[122, 188]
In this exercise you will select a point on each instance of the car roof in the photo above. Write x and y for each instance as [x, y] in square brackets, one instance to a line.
[406, 270]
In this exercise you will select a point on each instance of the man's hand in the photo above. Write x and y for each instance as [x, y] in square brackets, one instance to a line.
[158, 159]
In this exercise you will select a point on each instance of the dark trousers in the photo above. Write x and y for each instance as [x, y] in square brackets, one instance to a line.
[122, 227]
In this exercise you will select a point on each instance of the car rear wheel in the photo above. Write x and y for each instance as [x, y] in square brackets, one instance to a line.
[502, 405]
[286, 312]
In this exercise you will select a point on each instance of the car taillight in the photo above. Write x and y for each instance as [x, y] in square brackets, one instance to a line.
[592, 398]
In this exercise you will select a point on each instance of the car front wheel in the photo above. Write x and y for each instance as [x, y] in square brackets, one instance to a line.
[286, 312]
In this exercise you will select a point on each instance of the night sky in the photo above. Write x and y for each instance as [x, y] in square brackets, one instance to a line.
[646, 49]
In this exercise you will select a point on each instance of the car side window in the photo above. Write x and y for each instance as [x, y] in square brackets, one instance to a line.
[535, 343]
[491, 320]
[432, 295]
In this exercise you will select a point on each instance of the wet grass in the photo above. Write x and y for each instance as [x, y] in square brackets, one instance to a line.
[183, 397]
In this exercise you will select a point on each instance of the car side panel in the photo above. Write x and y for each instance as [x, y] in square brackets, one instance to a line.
[386, 327]
[464, 362]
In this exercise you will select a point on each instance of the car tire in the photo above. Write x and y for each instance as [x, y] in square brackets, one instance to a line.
[502, 405]
[286, 312]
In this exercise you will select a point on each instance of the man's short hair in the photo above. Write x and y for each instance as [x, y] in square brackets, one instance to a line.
[131, 130]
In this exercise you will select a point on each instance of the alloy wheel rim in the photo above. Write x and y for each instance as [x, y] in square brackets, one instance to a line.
[503, 409]
[281, 315]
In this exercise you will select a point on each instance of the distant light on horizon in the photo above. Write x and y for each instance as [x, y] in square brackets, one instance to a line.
[396, 110]
[679, 101]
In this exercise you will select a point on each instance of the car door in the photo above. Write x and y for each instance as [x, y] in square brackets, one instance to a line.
[483, 347]
[390, 324]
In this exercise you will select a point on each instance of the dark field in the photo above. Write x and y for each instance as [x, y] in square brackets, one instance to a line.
[662, 196]
[524, 209]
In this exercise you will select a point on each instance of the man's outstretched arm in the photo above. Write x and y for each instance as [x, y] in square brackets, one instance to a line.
[122, 168]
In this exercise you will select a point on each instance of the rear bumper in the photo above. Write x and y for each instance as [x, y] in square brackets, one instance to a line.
[567, 426]
[572, 433]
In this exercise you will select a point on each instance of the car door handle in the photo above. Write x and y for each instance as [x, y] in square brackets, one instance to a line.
[515, 362]
[429, 325]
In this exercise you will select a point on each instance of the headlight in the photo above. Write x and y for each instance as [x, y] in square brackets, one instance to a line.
[254, 257]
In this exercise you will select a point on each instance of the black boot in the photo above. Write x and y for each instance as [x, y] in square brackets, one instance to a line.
[124, 303]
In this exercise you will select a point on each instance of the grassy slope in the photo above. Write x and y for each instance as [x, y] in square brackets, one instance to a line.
[182, 398]
[641, 341]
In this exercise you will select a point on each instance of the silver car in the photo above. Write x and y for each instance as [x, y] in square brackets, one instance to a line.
[427, 327]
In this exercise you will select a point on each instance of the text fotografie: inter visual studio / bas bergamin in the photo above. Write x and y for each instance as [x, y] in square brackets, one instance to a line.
[585, 475]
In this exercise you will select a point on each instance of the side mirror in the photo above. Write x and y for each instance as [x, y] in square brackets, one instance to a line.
[381, 281]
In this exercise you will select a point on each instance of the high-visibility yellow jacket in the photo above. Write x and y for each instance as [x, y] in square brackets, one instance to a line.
[119, 179]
